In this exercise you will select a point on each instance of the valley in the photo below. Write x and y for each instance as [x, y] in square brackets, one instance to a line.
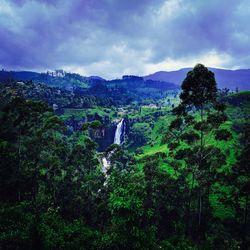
[124, 125]
[108, 161]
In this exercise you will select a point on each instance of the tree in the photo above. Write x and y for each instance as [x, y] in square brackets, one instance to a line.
[47, 180]
[139, 133]
[163, 202]
[126, 198]
[199, 117]
[241, 179]
[199, 87]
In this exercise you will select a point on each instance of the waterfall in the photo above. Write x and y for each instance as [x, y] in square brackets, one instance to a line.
[118, 133]
[105, 165]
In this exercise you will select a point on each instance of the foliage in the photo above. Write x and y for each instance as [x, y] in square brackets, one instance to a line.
[180, 180]
[139, 133]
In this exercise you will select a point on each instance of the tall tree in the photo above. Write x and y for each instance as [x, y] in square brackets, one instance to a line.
[241, 180]
[191, 134]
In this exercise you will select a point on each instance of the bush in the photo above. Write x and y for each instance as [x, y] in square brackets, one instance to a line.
[223, 135]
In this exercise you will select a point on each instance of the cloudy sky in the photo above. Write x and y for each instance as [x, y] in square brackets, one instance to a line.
[115, 37]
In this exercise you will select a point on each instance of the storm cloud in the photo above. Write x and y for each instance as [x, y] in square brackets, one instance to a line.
[115, 37]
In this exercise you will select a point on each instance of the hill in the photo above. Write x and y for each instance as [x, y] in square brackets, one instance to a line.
[122, 90]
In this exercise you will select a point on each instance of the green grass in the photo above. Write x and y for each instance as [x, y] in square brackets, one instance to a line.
[81, 113]
[158, 131]
[148, 150]
[77, 113]
[247, 92]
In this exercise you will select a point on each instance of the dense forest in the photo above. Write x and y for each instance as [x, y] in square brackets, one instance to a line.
[179, 177]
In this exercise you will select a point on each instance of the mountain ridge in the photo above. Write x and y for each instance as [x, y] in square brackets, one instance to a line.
[226, 78]
[232, 79]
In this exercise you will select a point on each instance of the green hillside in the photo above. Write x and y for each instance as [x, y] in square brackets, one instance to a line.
[177, 176]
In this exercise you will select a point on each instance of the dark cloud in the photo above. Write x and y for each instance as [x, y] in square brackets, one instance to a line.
[112, 37]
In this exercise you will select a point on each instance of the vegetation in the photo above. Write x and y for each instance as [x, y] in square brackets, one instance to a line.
[179, 180]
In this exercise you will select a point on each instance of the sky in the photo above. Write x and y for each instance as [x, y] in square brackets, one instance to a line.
[110, 38]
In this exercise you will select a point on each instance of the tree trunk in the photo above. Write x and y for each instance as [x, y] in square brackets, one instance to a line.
[19, 166]
[200, 210]
[244, 231]
[201, 141]
[199, 213]
[206, 215]
[200, 167]
[188, 208]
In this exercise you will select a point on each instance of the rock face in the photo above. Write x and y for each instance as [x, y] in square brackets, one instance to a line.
[105, 135]
[112, 133]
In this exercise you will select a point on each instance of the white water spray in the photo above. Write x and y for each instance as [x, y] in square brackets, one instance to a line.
[117, 140]
[105, 165]
[118, 132]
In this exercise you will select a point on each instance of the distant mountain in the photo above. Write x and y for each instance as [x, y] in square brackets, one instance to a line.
[120, 91]
[70, 81]
[225, 78]
[57, 78]
[96, 78]
[134, 86]
[18, 75]
[136, 83]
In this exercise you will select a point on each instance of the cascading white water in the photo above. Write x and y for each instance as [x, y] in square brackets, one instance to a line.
[117, 140]
[105, 165]
[118, 133]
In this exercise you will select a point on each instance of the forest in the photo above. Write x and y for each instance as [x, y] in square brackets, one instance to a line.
[123, 164]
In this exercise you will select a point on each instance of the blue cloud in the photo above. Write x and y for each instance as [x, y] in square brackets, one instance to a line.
[97, 36]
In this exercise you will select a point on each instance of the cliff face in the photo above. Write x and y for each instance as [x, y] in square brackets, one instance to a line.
[103, 136]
